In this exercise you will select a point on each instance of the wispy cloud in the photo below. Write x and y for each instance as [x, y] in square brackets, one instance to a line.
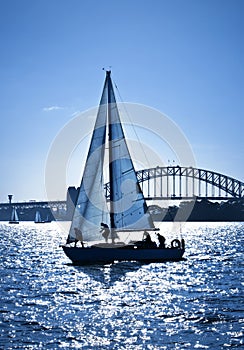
[75, 113]
[52, 108]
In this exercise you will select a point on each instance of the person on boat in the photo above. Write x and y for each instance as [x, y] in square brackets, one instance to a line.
[148, 239]
[147, 242]
[105, 231]
[68, 240]
[161, 240]
[182, 243]
[78, 237]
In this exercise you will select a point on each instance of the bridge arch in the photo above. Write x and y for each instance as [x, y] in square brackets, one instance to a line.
[176, 182]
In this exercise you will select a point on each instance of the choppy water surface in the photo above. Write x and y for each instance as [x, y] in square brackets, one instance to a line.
[46, 303]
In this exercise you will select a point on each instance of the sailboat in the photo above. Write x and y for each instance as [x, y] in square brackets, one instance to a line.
[48, 219]
[95, 218]
[38, 219]
[14, 217]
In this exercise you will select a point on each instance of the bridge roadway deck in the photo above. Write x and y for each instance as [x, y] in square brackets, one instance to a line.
[55, 204]
[38, 204]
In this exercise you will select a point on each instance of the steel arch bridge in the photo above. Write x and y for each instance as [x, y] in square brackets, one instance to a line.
[176, 182]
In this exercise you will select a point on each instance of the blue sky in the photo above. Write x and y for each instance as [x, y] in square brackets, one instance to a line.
[182, 57]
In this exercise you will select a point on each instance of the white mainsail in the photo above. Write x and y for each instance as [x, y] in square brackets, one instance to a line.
[128, 209]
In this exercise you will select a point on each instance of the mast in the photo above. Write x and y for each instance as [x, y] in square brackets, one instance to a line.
[109, 82]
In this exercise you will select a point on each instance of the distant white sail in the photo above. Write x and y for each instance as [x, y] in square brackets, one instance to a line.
[38, 217]
[14, 215]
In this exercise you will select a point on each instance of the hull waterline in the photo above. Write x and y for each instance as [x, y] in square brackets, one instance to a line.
[95, 255]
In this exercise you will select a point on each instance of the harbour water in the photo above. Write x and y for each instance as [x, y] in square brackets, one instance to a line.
[47, 303]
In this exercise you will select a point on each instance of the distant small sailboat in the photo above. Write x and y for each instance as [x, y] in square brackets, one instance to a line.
[14, 217]
[127, 212]
[48, 219]
[38, 219]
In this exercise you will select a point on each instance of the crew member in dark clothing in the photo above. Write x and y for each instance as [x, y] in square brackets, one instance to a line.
[161, 240]
[147, 242]
[148, 239]
[78, 237]
[105, 231]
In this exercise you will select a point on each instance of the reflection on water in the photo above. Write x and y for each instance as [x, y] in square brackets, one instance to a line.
[49, 303]
[108, 274]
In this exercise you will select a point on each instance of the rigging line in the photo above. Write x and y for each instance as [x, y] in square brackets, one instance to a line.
[128, 115]
[137, 137]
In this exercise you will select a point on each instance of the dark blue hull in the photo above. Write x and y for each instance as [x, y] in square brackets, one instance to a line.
[99, 255]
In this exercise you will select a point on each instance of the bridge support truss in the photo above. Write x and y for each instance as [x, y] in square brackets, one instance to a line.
[176, 182]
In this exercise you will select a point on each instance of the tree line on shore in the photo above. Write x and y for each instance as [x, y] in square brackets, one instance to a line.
[201, 210]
